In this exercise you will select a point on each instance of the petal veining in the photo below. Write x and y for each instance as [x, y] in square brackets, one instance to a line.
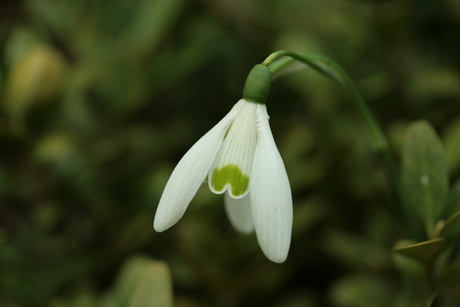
[190, 173]
[239, 213]
[271, 199]
[233, 163]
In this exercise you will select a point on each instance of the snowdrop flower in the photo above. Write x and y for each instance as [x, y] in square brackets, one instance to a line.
[239, 158]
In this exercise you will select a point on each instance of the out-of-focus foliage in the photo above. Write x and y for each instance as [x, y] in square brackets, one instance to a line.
[424, 176]
[100, 99]
[142, 282]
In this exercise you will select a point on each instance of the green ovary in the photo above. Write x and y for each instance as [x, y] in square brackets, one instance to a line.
[230, 174]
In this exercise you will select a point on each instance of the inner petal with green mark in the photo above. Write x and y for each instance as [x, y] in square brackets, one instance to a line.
[232, 167]
[230, 175]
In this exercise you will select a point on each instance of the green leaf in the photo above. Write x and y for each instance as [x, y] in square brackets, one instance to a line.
[451, 228]
[153, 287]
[411, 268]
[426, 252]
[141, 282]
[424, 175]
[451, 136]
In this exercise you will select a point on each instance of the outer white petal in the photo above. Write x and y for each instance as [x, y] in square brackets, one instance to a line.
[190, 173]
[239, 213]
[270, 193]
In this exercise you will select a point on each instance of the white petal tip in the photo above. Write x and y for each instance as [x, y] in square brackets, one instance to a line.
[244, 229]
[278, 259]
[276, 256]
[160, 225]
[239, 213]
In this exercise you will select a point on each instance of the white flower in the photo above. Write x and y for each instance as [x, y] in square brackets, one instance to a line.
[238, 156]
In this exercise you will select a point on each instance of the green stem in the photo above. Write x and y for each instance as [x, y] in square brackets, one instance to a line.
[332, 70]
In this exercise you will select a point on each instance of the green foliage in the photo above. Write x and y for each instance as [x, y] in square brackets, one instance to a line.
[141, 282]
[424, 176]
[426, 252]
[362, 291]
[451, 228]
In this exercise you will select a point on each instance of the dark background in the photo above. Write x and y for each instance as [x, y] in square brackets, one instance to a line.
[100, 99]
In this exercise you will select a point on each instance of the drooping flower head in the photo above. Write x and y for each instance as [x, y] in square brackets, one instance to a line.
[239, 157]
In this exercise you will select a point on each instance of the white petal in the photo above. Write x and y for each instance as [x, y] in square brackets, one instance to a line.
[239, 213]
[270, 193]
[190, 173]
[233, 164]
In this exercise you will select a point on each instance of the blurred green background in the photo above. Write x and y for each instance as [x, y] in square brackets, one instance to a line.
[100, 99]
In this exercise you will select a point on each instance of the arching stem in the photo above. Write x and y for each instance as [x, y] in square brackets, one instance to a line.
[276, 62]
